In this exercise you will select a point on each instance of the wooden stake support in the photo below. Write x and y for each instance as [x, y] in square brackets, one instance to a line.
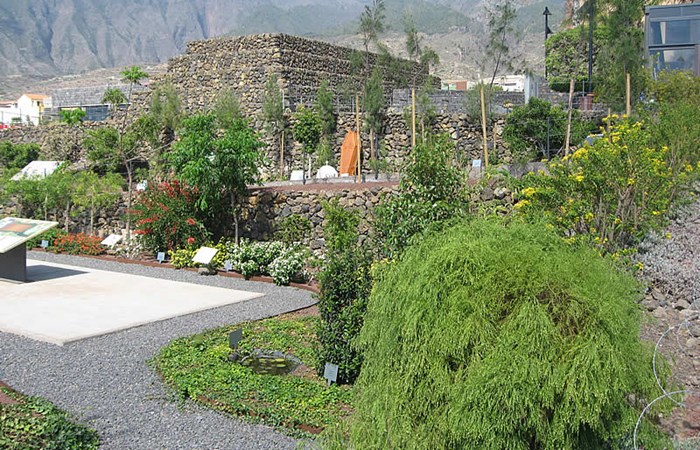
[359, 140]
[568, 123]
[413, 117]
[483, 127]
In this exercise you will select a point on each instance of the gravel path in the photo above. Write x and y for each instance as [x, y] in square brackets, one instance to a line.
[672, 271]
[106, 383]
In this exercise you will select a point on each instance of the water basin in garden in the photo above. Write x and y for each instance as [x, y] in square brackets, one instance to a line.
[270, 363]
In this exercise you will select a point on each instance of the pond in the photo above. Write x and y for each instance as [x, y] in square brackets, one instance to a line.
[270, 363]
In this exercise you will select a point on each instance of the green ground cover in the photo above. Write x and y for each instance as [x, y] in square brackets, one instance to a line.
[32, 423]
[301, 403]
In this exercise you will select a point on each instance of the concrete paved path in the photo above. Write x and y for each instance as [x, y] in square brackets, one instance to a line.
[63, 304]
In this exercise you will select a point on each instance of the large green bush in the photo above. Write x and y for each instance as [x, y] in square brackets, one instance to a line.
[16, 156]
[345, 286]
[493, 337]
[432, 189]
[538, 130]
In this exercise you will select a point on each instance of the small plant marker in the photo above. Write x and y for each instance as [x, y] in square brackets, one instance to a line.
[228, 265]
[234, 338]
[44, 244]
[161, 257]
[330, 373]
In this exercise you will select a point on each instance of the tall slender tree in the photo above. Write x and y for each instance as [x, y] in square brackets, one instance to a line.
[273, 114]
[501, 28]
[372, 23]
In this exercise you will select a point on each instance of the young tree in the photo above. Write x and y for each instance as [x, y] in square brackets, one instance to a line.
[425, 56]
[227, 109]
[273, 114]
[307, 130]
[623, 52]
[72, 117]
[538, 129]
[219, 167]
[501, 29]
[166, 109]
[374, 107]
[94, 192]
[346, 283]
[372, 24]
[114, 97]
[110, 149]
[326, 111]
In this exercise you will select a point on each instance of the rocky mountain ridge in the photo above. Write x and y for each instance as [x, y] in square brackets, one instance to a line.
[42, 39]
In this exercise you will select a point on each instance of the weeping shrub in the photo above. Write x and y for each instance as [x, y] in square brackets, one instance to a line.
[492, 337]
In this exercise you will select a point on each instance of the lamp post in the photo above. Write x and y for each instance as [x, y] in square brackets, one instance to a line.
[591, 12]
[547, 32]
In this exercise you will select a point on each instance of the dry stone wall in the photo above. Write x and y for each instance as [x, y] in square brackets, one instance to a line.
[58, 141]
[243, 65]
[265, 207]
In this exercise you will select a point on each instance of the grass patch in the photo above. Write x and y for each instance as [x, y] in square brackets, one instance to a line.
[28, 423]
[197, 367]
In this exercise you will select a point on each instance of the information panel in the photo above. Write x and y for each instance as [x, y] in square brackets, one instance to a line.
[15, 231]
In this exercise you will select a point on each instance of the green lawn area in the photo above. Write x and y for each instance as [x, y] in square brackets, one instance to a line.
[197, 367]
[29, 423]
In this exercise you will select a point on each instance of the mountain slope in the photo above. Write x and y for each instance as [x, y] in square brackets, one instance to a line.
[40, 39]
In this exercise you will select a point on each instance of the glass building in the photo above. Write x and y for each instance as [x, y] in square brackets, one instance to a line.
[673, 37]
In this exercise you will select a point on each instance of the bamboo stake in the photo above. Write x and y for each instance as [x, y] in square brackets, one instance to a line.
[483, 127]
[493, 130]
[359, 143]
[413, 117]
[568, 123]
[282, 156]
[629, 95]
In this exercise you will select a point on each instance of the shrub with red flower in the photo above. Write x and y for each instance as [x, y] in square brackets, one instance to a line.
[77, 244]
[164, 217]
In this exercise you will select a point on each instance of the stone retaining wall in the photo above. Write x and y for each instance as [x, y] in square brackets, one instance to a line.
[244, 64]
[58, 141]
[266, 206]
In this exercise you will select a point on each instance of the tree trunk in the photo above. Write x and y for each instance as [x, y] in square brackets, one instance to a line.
[66, 216]
[282, 155]
[92, 216]
[234, 210]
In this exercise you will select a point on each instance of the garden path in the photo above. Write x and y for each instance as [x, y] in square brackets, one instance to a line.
[105, 381]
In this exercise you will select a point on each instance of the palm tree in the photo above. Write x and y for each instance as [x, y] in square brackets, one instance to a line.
[114, 97]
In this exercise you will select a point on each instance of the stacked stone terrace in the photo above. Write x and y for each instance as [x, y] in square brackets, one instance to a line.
[243, 64]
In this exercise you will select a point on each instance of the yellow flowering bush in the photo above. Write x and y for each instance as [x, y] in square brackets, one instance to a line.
[609, 193]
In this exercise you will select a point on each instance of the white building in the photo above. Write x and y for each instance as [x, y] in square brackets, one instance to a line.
[509, 83]
[26, 110]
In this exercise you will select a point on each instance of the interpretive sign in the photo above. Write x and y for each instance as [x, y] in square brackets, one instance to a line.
[330, 373]
[204, 255]
[112, 240]
[15, 231]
